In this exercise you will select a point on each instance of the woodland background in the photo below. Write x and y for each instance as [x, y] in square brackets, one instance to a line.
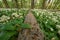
[37, 4]
[46, 12]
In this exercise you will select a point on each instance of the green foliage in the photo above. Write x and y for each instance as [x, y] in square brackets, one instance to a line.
[7, 27]
[10, 27]
[25, 26]
[49, 23]
[5, 35]
[47, 4]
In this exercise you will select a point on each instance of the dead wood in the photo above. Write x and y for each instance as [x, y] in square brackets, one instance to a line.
[31, 34]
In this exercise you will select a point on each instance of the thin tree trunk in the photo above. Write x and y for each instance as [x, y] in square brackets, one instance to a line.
[1, 6]
[32, 4]
[43, 4]
[16, 4]
[24, 4]
[5, 3]
[21, 4]
[31, 34]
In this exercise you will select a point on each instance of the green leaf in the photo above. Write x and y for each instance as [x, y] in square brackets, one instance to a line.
[6, 35]
[27, 26]
[17, 21]
[7, 27]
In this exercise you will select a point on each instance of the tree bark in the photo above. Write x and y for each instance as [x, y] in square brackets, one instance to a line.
[5, 4]
[43, 4]
[16, 4]
[32, 4]
[31, 34]
[21, 3]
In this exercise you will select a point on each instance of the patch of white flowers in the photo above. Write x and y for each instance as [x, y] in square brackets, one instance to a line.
[58, 26]
[53, 38]
[49, 17]
[59, 32]
[50, 13]
[4, 18]
[15, 15]
[54, 18]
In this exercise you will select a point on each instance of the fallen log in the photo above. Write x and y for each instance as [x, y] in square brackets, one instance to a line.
[31, 34]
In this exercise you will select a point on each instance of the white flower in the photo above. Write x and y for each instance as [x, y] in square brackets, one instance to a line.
[51, 29]
[37, 14]
[50, 14]
[49, 17]
[4, 18]
[15, 14]
[59, 32]
[46, 16]
[0, 20]
[9, 0]
[58, 26]
[43, 12]
[53, 38]
[1, 0]
[8, 17]
[54, 19]
[13, 17]
[46, 21]
[41, 15]
[20, 14]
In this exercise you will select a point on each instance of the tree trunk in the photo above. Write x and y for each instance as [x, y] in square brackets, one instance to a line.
[5, 4]
[21, 3]
[43, 4]
[31, 34]
[32, 4]
[16, 4]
